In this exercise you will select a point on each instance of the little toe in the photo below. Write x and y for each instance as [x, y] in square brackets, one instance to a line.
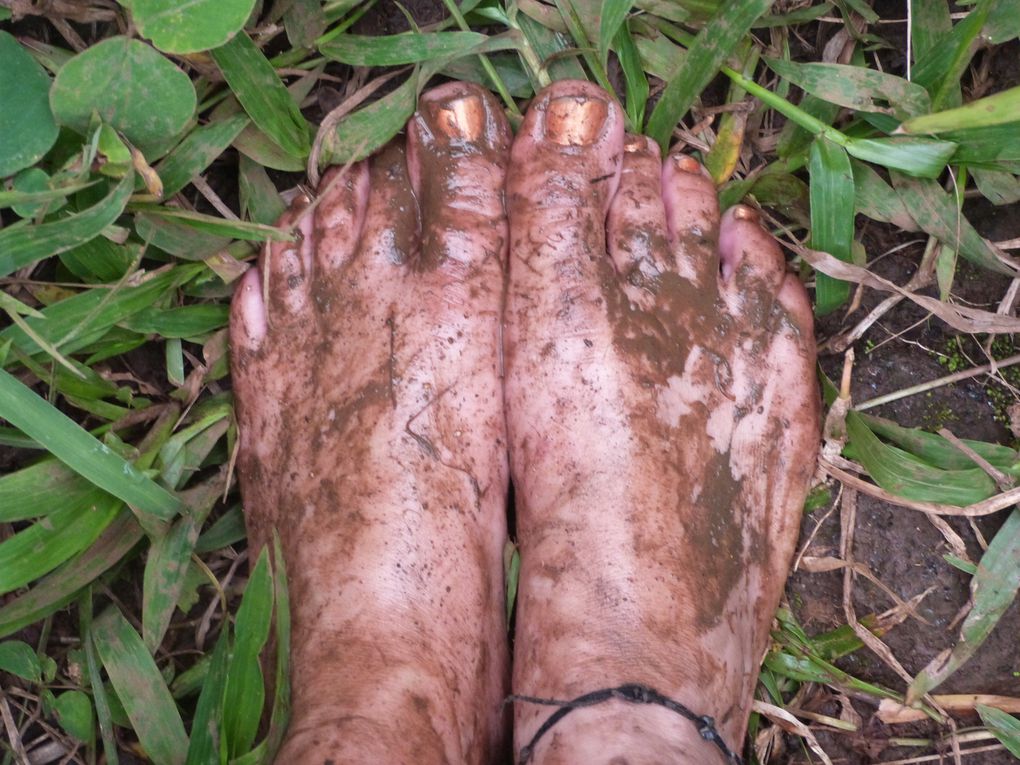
[565, 167]
[753, 266]
[286, 267]
[692, 218]
[247, 315]
[457, 151]
[636, 225]
[340, 215]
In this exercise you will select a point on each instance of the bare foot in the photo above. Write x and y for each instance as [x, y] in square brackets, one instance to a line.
[372, 438]
[663, 415]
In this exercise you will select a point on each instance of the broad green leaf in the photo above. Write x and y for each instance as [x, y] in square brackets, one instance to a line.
[855, 87]
[82, 452]
[1003, 22]
[996, 109]
[713, 44]
[305, 22]
[196, 25]
[877, 199]
[930, 24]
[63, 533]
[997, 186]
[258, 87]
[60, 587]
[407, 48]
[936, 212]
[74, 713]
[26, 122]
[994, 589]
[24, 244]
[197, 151]
[140, 686]
[132, 88]
[245, 691]
[1005, 727]
[937, 451]
[260, 201]
[919, 157]
[832, 217]
[21, 660]
[35, 181]
[907, 476]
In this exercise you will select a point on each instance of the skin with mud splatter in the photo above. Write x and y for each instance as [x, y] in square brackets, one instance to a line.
[659, 411]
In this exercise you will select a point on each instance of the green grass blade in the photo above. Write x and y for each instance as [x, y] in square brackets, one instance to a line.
[19, 198]
[197, 151]
[257, 86]
[184, 322]
[997, 186]
[611, 21]
[40, 489]
[82, 452]
[95, 310]
[141, 688]
[907, 476]
[20, 659]
[704, 58]
[832, 217]
[260, 200]
[40, 548]
[855, 87]
[1005, 727]
[994, 589]
[59, 588]
[167, 565]
[930, 24]
[280, 716]
[941, 69]
[230, 229]
[937, 451]
[245, 692]
[919, 157]
[207, 723]
[996, 109]
[936, 212]
[877, 199]
[372, 127]
[986, 147]
[99, 697]
[635, 81]
[395, 50]
[23, 245]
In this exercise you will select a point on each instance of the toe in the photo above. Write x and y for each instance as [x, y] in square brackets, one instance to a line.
[286, 267]
[692, 218]
[247, 315]
[340, 215]
[390, 233]
[753, 266]
[636, 225]
[457, 151]
[565, 166]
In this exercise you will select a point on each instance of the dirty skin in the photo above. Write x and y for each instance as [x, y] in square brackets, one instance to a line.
[567, 307]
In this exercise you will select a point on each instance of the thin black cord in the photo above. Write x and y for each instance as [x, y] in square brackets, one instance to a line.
[633, 693]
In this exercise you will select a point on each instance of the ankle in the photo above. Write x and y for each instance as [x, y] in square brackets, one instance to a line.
[617, 732]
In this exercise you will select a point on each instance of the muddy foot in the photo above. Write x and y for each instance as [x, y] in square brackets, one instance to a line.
[663, 416]
[372, 439]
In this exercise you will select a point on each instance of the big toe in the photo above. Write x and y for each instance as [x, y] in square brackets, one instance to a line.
[565, 167]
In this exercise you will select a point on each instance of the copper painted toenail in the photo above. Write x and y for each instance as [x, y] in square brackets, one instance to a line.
[575, 120]
[462, 118]
[635, 143]
[687, 164]
[743, 212]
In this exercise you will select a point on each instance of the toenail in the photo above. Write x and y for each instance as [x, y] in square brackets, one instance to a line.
[462, 118]
[575, 120]
[743, 212]
[635, 143]
[687, 163]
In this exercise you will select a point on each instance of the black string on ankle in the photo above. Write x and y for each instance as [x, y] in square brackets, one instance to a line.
[633, 693]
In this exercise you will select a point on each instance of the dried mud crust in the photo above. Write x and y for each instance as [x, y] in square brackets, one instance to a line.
[898, 544]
